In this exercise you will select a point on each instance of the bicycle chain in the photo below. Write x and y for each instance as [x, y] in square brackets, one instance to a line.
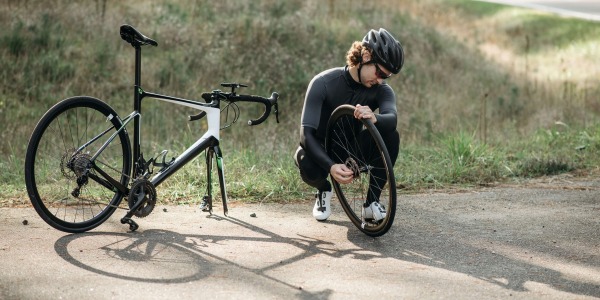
[126, 175]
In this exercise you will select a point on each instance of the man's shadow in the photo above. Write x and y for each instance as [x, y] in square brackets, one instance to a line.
[459, 251]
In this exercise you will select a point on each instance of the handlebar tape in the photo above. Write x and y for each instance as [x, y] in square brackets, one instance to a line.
[267, 102]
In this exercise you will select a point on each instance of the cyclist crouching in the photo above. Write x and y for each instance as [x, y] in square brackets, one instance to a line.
[360, 83]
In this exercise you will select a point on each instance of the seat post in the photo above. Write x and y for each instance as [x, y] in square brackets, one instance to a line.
[138, 78]
[137, 106]
[138, 65]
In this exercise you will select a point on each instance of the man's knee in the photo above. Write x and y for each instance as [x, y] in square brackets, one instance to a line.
[310, 172]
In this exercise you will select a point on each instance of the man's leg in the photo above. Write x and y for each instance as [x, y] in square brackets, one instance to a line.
[315, 176]
[378, 177]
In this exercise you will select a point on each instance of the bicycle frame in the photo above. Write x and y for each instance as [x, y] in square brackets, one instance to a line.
[209, 140]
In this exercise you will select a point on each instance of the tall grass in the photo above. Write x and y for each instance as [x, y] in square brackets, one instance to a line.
[479, 97]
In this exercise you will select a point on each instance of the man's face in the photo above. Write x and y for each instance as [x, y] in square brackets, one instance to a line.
[374, 74]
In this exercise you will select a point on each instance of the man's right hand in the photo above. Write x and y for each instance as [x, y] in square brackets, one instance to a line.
[341, 173]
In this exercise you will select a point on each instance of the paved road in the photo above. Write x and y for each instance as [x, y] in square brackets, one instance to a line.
[584, 9]
[496, 243]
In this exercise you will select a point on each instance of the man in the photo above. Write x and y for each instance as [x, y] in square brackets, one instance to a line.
[360, 83]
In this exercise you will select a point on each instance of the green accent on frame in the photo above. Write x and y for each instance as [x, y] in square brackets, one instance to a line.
[220, 163]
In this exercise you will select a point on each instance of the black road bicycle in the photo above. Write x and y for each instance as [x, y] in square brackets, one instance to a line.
[80, 162]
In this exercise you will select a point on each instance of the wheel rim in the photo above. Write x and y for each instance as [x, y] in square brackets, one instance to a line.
[57, 165]
[355, 143]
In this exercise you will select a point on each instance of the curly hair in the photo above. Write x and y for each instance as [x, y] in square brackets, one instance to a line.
[354, 54]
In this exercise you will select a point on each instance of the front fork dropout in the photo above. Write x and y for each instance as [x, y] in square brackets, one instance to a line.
[207, 204]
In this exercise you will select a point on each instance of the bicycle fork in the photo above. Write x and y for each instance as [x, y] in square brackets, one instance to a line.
[207, 204]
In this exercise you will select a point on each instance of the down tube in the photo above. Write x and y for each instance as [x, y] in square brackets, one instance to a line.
[184, 158]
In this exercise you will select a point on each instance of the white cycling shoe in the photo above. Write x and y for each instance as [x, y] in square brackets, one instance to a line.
[322, 208]
[374, 212]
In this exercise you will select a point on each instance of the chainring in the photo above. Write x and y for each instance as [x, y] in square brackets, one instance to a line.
[142, 190]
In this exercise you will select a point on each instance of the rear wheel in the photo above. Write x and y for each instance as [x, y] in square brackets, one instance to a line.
[357, 144]
[59, 166]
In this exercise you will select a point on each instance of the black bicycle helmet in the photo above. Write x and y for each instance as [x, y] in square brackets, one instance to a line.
[387, 51]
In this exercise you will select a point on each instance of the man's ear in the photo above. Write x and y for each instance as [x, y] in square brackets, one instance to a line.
[366, 56]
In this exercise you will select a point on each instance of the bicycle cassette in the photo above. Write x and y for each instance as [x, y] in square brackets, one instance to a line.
[353, 166]
[142, 190]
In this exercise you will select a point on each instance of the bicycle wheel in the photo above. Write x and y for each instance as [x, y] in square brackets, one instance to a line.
[357, 144]
[54, 166]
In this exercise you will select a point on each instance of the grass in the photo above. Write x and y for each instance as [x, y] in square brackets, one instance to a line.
[463, 161]
[489, 93]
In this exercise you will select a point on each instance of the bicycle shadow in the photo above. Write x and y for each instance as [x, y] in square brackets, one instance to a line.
[163, 256]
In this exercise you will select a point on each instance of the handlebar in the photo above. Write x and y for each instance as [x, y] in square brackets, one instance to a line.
[267, 102]
[232, 97]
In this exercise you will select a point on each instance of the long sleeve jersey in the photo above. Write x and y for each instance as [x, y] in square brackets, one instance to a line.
[327, 91]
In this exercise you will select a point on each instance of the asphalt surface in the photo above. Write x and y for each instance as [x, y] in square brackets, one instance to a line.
[535, 242]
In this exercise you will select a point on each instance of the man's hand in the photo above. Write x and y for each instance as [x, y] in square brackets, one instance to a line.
[364, 112]
[341, 173]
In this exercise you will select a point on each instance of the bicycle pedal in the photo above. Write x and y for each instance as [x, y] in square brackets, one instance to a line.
[133, 226]
[206, 205]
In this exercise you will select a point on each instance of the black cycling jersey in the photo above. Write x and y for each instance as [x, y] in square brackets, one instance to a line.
[327, 91]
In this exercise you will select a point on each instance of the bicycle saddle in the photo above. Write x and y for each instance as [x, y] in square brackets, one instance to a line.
[134, 37]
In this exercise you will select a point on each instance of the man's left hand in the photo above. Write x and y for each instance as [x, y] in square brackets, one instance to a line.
[364, 112]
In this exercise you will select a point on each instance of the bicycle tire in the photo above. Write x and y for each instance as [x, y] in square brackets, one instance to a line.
[357, 143]
[51, 181]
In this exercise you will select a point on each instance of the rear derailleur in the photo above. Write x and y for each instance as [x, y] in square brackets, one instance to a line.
[76, 166]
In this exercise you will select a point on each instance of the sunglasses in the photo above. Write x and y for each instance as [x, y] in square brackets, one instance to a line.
[380, 74]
